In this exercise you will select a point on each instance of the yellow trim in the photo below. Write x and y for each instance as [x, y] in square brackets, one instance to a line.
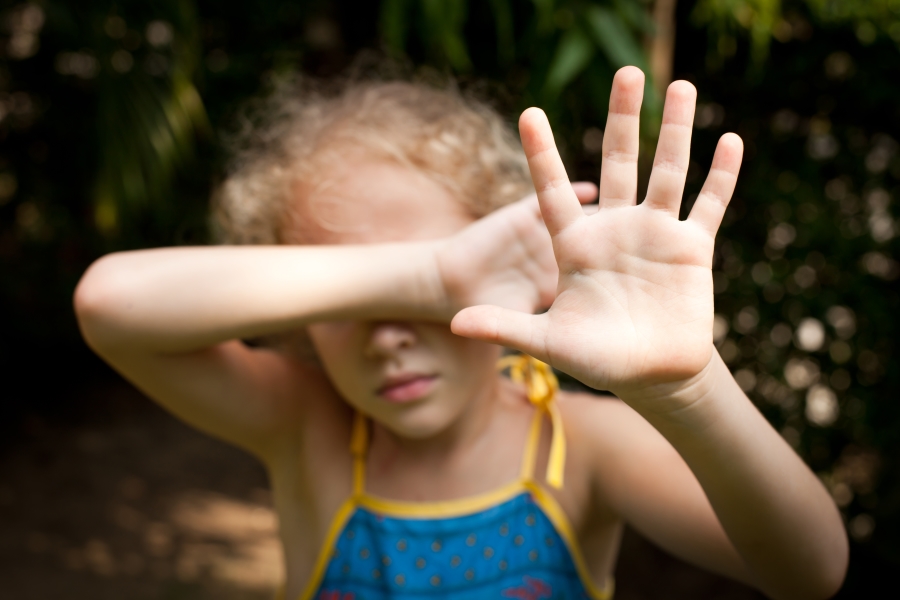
[334, 530]
[560, 522]
[541, 386]
[445, 508]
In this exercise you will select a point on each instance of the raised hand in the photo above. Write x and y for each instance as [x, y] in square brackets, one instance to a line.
[504, 259]
[634, 302]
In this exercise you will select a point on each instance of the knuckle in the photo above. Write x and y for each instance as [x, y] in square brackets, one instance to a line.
[670, 165]
[716, 197]
[619, 156]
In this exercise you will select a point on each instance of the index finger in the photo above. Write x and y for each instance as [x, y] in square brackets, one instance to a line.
[559, 204]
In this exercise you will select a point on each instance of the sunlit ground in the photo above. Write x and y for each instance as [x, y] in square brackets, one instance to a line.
[127, 503]
[135, 506]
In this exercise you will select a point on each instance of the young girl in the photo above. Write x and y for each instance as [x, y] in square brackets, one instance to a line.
[403, 464]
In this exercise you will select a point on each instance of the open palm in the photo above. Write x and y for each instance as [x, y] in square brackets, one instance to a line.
[634, 301]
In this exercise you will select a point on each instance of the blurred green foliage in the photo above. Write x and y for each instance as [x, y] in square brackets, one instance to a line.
[106, 143]
[147, 117]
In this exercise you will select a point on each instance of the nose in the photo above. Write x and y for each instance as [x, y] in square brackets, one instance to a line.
[386, 339]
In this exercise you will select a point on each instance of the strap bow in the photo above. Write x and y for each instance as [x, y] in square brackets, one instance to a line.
[541, 385]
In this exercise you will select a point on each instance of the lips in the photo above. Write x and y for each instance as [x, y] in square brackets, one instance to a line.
[407, 388]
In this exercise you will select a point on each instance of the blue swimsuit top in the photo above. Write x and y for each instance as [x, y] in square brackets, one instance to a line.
[513, 542]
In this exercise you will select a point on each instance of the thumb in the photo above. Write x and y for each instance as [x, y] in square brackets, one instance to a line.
[505, 327]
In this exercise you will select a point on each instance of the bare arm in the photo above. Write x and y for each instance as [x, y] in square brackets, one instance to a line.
[775, 511]
[177, 300]
[644, 480]
[168, 319]
[633, 314]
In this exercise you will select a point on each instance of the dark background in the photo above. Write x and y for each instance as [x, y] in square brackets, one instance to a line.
[111, 121]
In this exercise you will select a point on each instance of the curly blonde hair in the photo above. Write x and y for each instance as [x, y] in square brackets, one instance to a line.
[286, 139]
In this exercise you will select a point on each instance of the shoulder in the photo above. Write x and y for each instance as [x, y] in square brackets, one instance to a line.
[615, 441]
[599, 417]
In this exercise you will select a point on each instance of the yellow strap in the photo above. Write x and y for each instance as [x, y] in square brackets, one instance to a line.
[541, 385]
[359, 446]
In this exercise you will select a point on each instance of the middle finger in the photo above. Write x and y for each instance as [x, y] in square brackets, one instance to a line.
[673, 152]
[619, 170]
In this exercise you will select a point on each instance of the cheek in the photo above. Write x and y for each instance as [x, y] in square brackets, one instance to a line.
[336, 346]
[472, 362]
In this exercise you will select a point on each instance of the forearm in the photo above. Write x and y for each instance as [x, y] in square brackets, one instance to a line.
[777, 514]
[183, 299]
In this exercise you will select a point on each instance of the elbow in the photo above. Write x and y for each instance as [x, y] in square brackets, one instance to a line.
[98, 296]
[825, 575]
[833, 569]
[833, 562]
[825, 585]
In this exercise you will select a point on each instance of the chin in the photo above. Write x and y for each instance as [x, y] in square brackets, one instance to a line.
[420, 421]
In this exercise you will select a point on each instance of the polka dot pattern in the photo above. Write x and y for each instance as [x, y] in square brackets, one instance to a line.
[509, 550]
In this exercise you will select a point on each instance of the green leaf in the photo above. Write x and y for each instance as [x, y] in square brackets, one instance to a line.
[544, 10]
[146, 128]
[636, 15]
[503, 19]
[573, 54]
[444, 21]
[456, 52]
[614, 38]
[618, 43]
[393, 21]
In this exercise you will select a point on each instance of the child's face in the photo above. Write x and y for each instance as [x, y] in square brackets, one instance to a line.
[415, 378]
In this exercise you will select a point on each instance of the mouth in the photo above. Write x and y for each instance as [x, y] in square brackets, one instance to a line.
[407, 388]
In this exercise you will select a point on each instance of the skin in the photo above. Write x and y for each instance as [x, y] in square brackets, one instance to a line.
[684, 456]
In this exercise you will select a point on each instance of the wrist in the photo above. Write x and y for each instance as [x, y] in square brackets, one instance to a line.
[430, 289]
[678, 398]
[386, 282]
[450, 277]
[710, 408]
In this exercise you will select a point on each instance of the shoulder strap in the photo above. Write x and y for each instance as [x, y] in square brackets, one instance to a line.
[359, 447]
[541, 385]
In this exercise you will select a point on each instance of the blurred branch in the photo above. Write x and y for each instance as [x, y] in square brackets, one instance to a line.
[662, 45]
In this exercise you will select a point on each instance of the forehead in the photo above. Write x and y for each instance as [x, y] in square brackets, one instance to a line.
[368, 200]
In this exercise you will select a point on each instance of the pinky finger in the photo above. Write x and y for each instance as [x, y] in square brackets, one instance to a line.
[719, 186]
